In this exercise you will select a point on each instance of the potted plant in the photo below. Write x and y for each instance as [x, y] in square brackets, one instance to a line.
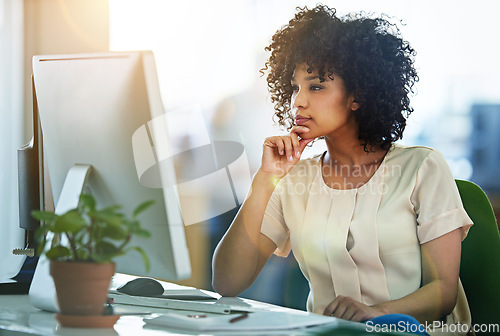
[81, 255]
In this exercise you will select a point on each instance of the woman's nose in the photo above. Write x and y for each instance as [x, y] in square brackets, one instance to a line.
[299, 99]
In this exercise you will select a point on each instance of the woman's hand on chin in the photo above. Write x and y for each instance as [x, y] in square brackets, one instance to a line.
[281, 153]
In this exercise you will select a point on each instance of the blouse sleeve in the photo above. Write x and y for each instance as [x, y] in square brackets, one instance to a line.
[436, 200]
[274, 227]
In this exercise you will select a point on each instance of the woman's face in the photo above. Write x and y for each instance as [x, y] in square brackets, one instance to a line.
[324, 107]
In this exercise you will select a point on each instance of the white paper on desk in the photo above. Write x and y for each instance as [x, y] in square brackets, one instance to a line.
[271, 320]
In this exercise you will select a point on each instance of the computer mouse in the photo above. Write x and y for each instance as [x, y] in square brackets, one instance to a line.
[142, 287]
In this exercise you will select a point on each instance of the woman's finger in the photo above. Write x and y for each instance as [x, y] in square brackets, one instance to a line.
[330, 309]
[295, 132]
[303, 143]
[350, 311]
[295, 144]
[287, 140]
[299, 129]
[276, 143]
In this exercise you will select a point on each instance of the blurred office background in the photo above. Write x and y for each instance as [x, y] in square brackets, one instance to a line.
[209, 54]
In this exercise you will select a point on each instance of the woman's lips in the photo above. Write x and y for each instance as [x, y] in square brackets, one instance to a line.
[299, 120]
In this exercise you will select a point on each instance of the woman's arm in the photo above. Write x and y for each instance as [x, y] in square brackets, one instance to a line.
[435, 299]
[244, 250]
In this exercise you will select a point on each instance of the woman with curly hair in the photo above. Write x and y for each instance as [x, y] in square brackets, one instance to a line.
[376, 227]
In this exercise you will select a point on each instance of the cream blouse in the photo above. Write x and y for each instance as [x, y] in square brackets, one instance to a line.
[365, 242]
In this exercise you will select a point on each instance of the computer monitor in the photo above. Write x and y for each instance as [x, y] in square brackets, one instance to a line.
[105, 111]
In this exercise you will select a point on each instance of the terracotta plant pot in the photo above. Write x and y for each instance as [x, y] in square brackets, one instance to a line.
[81, 287]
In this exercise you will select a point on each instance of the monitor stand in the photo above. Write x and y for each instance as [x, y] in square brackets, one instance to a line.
[42, 292]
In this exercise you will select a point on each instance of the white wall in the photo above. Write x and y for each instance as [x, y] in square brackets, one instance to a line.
[60, 27]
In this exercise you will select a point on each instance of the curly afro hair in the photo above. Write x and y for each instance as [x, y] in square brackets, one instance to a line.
[370, 56]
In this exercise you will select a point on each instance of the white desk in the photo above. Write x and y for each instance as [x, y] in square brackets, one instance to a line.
[19, 318]
[17, 314]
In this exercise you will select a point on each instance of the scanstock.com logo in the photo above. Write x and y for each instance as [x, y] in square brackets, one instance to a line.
[211, 177]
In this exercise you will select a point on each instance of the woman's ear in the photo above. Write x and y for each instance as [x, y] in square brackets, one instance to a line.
[354, 105]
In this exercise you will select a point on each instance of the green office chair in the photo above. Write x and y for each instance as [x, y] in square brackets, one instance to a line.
[480, 265]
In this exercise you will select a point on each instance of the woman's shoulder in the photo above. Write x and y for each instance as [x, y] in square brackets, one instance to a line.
[412, 154]
[416, 160]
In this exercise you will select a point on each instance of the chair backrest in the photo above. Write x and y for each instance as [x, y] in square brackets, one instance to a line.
[480, 264]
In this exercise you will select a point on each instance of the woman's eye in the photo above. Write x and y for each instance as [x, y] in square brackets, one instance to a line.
[315, 87]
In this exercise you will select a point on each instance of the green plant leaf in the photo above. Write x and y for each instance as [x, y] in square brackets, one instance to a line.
[41, 238]
[142, 207]
[70, 222]
[114, 232]
[82, 254]
[143, 233]
[46, 216]
[88, 201]
[111, 209]
[58, 252]
[143, 254]
[132, 225]
[41, 232]
[109, 218]
[40, 247]
[105, 251]
[94, 235]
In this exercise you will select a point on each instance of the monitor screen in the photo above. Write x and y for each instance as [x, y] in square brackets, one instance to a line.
[105, 110]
